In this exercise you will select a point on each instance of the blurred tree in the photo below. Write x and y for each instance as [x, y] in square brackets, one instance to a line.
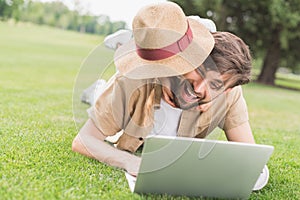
[118, 25]
[10, 8]
[58, 15]
[270, 26]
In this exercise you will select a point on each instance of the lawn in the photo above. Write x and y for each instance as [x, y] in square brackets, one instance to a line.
[40, 67]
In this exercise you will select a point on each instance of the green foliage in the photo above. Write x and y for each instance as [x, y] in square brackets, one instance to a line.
[10, 8]
[38, 69]
[270, 27]
[58, 15]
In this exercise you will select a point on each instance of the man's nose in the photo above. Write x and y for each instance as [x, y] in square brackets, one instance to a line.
[200, 88]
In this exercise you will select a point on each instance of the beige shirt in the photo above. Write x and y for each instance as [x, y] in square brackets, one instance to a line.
[128, 105]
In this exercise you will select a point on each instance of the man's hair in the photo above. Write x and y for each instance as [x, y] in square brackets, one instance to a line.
[232, 58]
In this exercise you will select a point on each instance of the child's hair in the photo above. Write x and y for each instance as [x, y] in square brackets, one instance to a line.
[232, 58]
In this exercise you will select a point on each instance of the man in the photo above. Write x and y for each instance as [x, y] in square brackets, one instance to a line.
[117, 39]
[168, 68]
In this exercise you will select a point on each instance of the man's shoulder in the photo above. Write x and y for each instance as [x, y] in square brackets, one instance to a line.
[234, 95]
[236, 91]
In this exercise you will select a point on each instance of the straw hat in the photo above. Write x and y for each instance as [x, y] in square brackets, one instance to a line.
[166, 43]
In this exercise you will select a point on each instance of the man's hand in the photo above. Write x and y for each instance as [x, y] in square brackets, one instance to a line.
[133, 165]
[90, 142]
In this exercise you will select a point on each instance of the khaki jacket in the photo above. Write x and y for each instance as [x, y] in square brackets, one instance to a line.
[129, 105]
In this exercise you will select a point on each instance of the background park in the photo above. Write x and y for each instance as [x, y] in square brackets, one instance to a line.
[42, 55]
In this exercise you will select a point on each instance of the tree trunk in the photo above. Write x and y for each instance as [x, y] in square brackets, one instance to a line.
[271, 60]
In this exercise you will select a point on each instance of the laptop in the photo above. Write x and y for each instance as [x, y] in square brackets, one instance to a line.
[199, 167]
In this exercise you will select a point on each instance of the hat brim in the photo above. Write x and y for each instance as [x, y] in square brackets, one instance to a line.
[131, 65]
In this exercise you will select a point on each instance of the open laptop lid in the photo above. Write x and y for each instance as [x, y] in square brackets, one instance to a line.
[199, 167]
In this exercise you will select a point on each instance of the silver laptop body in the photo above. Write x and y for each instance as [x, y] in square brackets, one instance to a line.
[199, 167]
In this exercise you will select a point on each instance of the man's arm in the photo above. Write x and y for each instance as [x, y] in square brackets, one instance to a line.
[241, 133]
[90, 142]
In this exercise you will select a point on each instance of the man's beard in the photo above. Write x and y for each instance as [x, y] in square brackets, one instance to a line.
[184, 96]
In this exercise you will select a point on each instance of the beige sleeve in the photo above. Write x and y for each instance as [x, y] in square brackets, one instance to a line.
[108, 110]
[237, 113]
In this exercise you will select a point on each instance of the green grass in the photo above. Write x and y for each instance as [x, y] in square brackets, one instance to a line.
[288, 81]
[283, 80]
[39, 67]
[275, 115]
